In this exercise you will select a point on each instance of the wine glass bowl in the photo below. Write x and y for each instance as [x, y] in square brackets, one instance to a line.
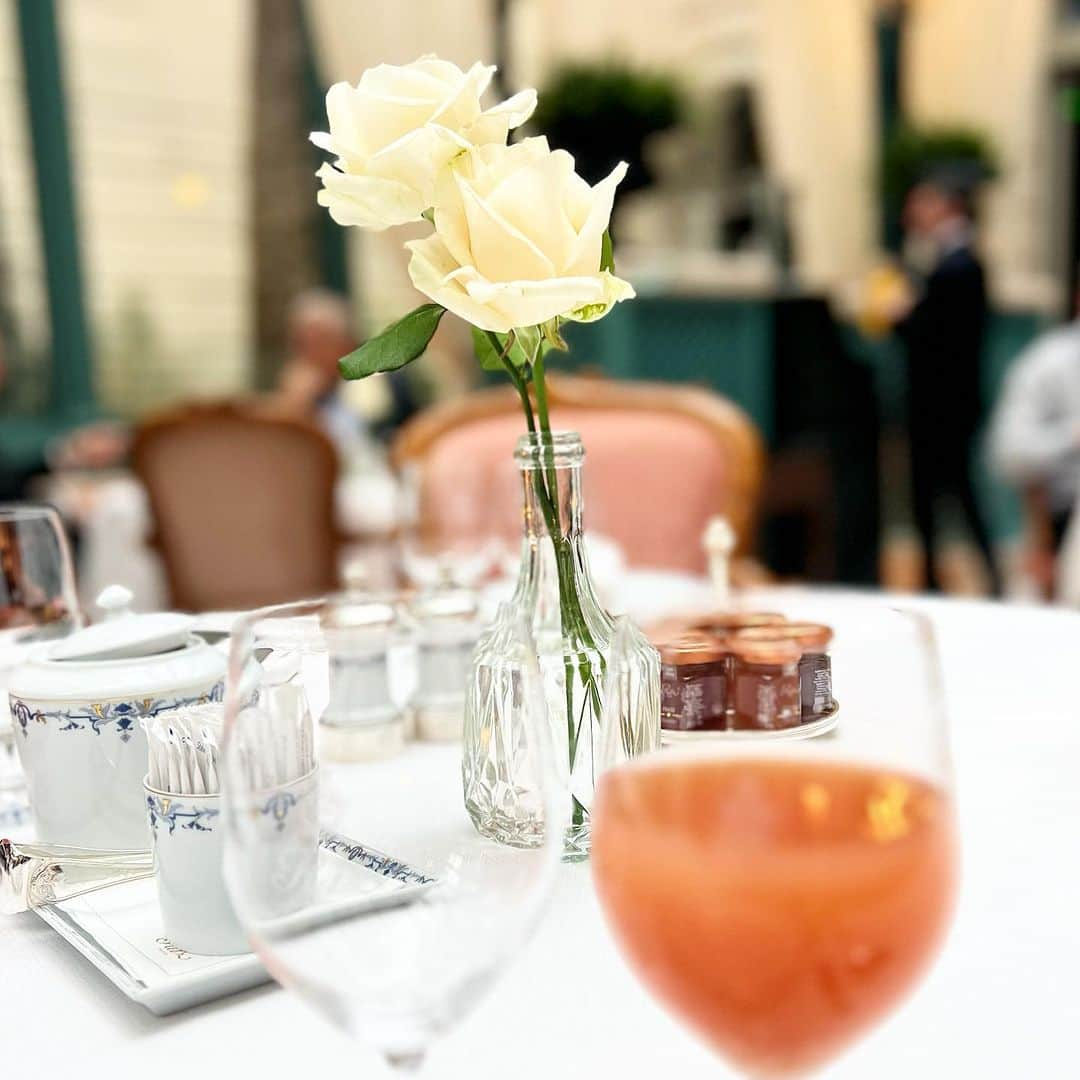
[37, 601]
[783, 897]
[37, 579]
[405, 914]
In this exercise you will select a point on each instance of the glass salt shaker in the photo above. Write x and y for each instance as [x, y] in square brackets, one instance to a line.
[765, 684]
[362, 720]
[447, 627]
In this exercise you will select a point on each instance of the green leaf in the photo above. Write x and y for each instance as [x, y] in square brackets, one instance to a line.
[527, 340]
[490, 357]
[607, 253]
[396, 346]
[552, 338]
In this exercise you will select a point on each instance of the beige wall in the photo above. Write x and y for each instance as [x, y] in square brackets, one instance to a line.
[158, 113]
[159, 116]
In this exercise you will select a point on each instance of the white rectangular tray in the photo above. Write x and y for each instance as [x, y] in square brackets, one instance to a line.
[119, 931]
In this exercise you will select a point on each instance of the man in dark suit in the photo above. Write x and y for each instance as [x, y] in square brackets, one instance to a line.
[943, 333]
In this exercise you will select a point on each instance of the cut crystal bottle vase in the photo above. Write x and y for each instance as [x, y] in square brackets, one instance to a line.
[574, 638]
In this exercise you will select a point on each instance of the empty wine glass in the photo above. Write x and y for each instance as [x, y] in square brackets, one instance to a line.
[784, 896]
[362, 883]
[37, 601]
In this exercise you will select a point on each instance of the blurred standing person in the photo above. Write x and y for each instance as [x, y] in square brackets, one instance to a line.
[1035, 443]
[942, 325]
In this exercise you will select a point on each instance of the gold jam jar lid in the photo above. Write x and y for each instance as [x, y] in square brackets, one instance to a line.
[727, 622]
[691, 649]
[810, 637]
[768, 650]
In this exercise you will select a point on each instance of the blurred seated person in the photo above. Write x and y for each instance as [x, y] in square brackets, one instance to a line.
[310, 384]
[1035, 443]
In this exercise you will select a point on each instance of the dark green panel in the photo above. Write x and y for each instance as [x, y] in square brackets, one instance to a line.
[332, 239]
[72, 379]
[889, 39]
[723, 344]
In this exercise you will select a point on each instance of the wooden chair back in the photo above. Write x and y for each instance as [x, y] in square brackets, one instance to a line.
[242, 502]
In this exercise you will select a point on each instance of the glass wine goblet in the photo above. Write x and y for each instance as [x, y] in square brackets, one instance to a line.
[37, 601]
[362, 883]
[783, 895]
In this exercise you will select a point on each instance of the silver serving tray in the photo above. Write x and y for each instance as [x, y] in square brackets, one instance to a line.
[118, 929]
[672, 737]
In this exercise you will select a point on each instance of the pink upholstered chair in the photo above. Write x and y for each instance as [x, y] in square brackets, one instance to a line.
[660, 461]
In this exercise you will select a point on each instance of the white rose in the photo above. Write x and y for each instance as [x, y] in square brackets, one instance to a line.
[518, 239]
[397, 128]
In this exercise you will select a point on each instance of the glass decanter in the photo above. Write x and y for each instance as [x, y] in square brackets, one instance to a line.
[574, 637]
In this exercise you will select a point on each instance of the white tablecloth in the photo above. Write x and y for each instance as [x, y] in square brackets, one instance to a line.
[1003, 1001]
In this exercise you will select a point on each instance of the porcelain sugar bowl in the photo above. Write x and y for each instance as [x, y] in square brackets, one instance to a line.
[76, 705]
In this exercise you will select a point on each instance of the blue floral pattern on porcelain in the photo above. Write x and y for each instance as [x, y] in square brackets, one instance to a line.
[371, 859]
[278, 806]
[167, 811]
[121, 716]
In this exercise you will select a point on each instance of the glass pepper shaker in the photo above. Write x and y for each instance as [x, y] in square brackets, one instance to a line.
[362, 720]
[693, 683]
[815, 666]
[765, 684]
[447, 628]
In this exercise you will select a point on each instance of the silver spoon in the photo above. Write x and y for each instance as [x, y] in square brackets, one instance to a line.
[35, 874]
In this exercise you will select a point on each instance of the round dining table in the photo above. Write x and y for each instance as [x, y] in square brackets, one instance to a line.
[1002, 1000]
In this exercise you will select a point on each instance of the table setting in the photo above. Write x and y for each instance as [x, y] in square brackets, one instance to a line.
[1022, 980]
[665, 825]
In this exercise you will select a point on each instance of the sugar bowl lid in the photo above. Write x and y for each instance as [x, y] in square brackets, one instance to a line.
[126, 655]
[122, 634]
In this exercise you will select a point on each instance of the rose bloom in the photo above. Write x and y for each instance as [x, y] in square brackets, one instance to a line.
[518, 239]
[397, 128]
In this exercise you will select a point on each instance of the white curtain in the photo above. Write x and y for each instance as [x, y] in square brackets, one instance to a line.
[819, 92]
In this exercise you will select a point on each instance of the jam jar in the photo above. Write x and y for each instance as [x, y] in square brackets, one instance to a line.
[815, 667]
[765, 684]
[693, 683]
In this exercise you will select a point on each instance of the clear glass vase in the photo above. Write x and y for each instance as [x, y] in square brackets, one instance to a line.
[574, 637]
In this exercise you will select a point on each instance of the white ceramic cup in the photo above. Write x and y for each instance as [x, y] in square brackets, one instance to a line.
[84, 764]
[189, 841]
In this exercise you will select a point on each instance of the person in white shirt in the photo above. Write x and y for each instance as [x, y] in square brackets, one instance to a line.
[1035, 442]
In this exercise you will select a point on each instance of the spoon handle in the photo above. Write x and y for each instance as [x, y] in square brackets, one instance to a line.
[34, 874]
